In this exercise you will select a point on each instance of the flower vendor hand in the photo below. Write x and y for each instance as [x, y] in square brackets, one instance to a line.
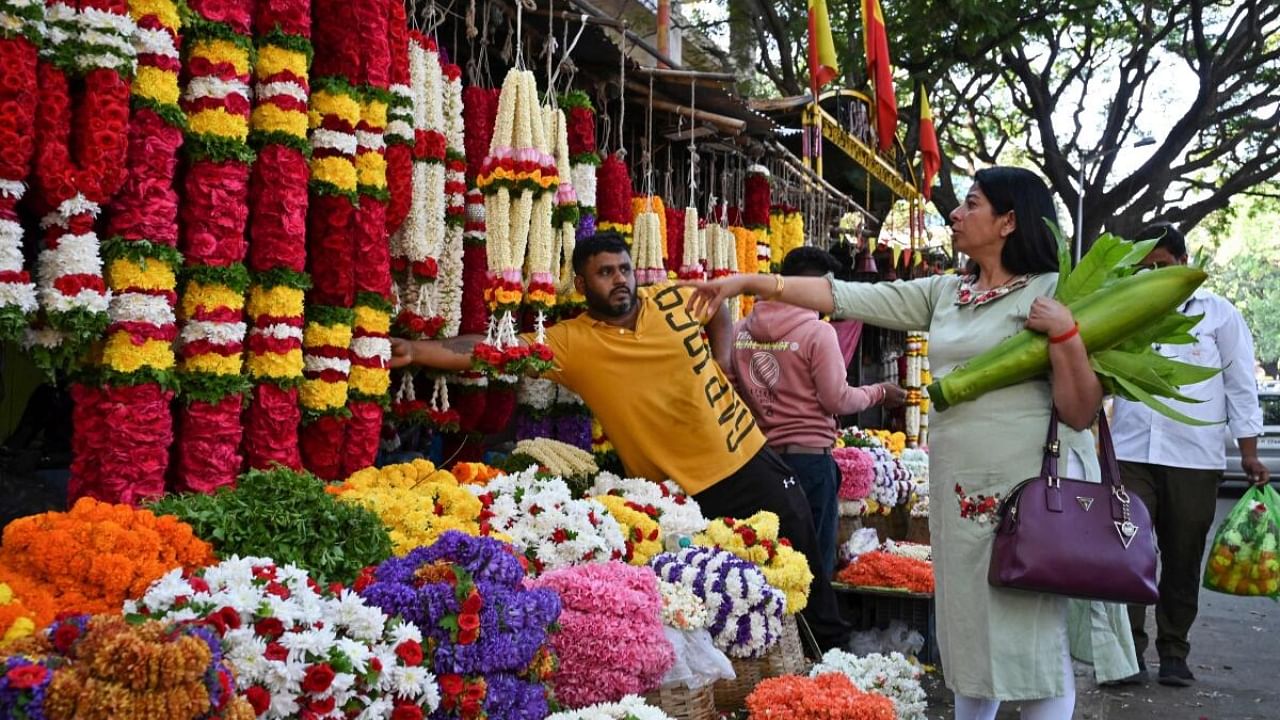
[1050, 317]
[894, 395]
[449, 354]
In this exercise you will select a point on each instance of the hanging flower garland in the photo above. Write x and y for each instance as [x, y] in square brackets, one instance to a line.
[125, 461]
[277, 231]
[674, 253]
[417, 246]
[21, 34]
[613, 195]
[298, 650]
[214, 218]
[565, 219]
[756, 204]
[691, 267]
[479, 114]
[334, 114]
[519, 180]
[534, 400]
[449, 284]
[650, 242]
[786, 232]
[79, 165]
[745, 247]
[486, 633]
[370, 350]
[544, 263]
[399, 133]
[580, 127]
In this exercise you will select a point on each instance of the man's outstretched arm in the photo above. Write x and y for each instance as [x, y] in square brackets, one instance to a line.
[449, 354]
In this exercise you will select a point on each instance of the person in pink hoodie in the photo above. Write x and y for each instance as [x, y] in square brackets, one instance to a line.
[788, 368]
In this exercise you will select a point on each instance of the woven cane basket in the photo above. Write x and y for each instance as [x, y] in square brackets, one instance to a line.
[682, 703]
[786, 657]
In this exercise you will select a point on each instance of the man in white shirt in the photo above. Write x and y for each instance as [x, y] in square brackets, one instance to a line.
[1176, 468]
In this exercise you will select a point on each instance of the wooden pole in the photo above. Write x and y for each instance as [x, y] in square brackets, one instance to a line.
[731, 126]
[664, 29]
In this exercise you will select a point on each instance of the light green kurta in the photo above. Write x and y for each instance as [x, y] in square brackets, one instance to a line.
[995, 643]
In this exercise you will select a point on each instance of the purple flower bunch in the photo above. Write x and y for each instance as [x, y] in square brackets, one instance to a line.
[745, 610]
[574, 429]
[533, 424]
[611, 641]
[23, 688]
[479, 621]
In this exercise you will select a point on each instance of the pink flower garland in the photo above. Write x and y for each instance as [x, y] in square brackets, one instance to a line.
[857, 472]
[611, 641]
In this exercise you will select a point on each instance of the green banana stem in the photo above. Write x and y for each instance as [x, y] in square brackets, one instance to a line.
[1107, 317]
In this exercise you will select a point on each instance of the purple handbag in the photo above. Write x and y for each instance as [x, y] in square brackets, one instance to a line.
[1068, 537]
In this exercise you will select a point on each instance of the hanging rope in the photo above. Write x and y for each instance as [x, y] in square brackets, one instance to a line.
[565, 61]
[693, 144]
[622, 86]
[647, 160]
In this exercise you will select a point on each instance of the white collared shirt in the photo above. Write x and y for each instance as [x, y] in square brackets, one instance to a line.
[1222, 340]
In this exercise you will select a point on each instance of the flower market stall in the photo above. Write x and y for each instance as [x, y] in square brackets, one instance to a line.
[235, 206]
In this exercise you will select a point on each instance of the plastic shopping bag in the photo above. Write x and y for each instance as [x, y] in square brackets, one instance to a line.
[1245, 557]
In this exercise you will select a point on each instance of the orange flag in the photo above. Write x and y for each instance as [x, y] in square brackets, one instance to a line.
[876, 40]
[930, 155]
[822, 50]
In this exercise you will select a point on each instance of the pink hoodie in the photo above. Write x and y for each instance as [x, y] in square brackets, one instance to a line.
[788, 368]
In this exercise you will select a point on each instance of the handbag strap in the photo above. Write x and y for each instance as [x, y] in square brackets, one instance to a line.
[1106, 456]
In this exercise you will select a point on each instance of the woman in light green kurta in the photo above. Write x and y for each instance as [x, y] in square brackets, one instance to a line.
[996, 644]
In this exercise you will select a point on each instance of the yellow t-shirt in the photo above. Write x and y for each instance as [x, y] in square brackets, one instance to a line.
[659, 395]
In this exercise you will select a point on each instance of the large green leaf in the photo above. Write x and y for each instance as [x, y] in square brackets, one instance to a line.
[1130, 391]
[1064, 254]
[1172, 329]
[1095, 268]
[1152, 372]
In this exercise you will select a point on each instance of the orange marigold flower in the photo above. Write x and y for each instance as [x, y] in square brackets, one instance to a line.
[882, 569]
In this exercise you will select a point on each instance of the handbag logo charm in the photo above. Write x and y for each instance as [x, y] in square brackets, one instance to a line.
[1085, 502]
[1125, 527]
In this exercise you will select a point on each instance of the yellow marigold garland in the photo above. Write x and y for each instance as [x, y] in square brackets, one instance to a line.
[755, 539]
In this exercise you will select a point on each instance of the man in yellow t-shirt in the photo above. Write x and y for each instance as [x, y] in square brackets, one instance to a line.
[651, 373]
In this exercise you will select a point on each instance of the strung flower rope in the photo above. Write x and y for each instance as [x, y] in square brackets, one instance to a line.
[518, 171]
[277, 231]
[21, 33]
[215, 213]
[449, 285]
[334, 114]
[137, 372]
[370, 376]
[76, 175]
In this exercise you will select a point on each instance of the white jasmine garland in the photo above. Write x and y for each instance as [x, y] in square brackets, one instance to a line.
[559, 458]
[141, 308]
[584, 184]
[314, 363]
[537, 393]
[893, 676]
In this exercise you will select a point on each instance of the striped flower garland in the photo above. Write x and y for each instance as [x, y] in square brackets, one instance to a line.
[21, 32]
[449, 283]
[370, 344]
[137, 375]
[335, 112]
[399, 133]
[215, 214]
[79, 165]
[277, 231]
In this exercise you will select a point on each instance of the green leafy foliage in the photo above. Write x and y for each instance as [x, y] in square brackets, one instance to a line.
[287, 516]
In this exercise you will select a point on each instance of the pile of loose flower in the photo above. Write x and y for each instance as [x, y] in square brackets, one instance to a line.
[882, 569]
[893, 676]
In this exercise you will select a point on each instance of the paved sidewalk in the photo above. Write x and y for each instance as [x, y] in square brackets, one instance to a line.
[1235, 655]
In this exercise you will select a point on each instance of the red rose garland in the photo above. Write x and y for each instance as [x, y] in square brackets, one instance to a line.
[127, 460]
[399, 134]
[215, 214]
[613, 196]
[370, 344]
[277, 231]
[79, 165]
[335, 112]
[19, 39]
[755, 211]
[479, 113]
[675, 239]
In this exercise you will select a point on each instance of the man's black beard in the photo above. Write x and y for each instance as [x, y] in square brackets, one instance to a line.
[604, 308]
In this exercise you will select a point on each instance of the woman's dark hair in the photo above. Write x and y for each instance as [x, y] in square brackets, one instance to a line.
[1166, 236]
[592, 245]
[1031, 247]
[809, 261]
